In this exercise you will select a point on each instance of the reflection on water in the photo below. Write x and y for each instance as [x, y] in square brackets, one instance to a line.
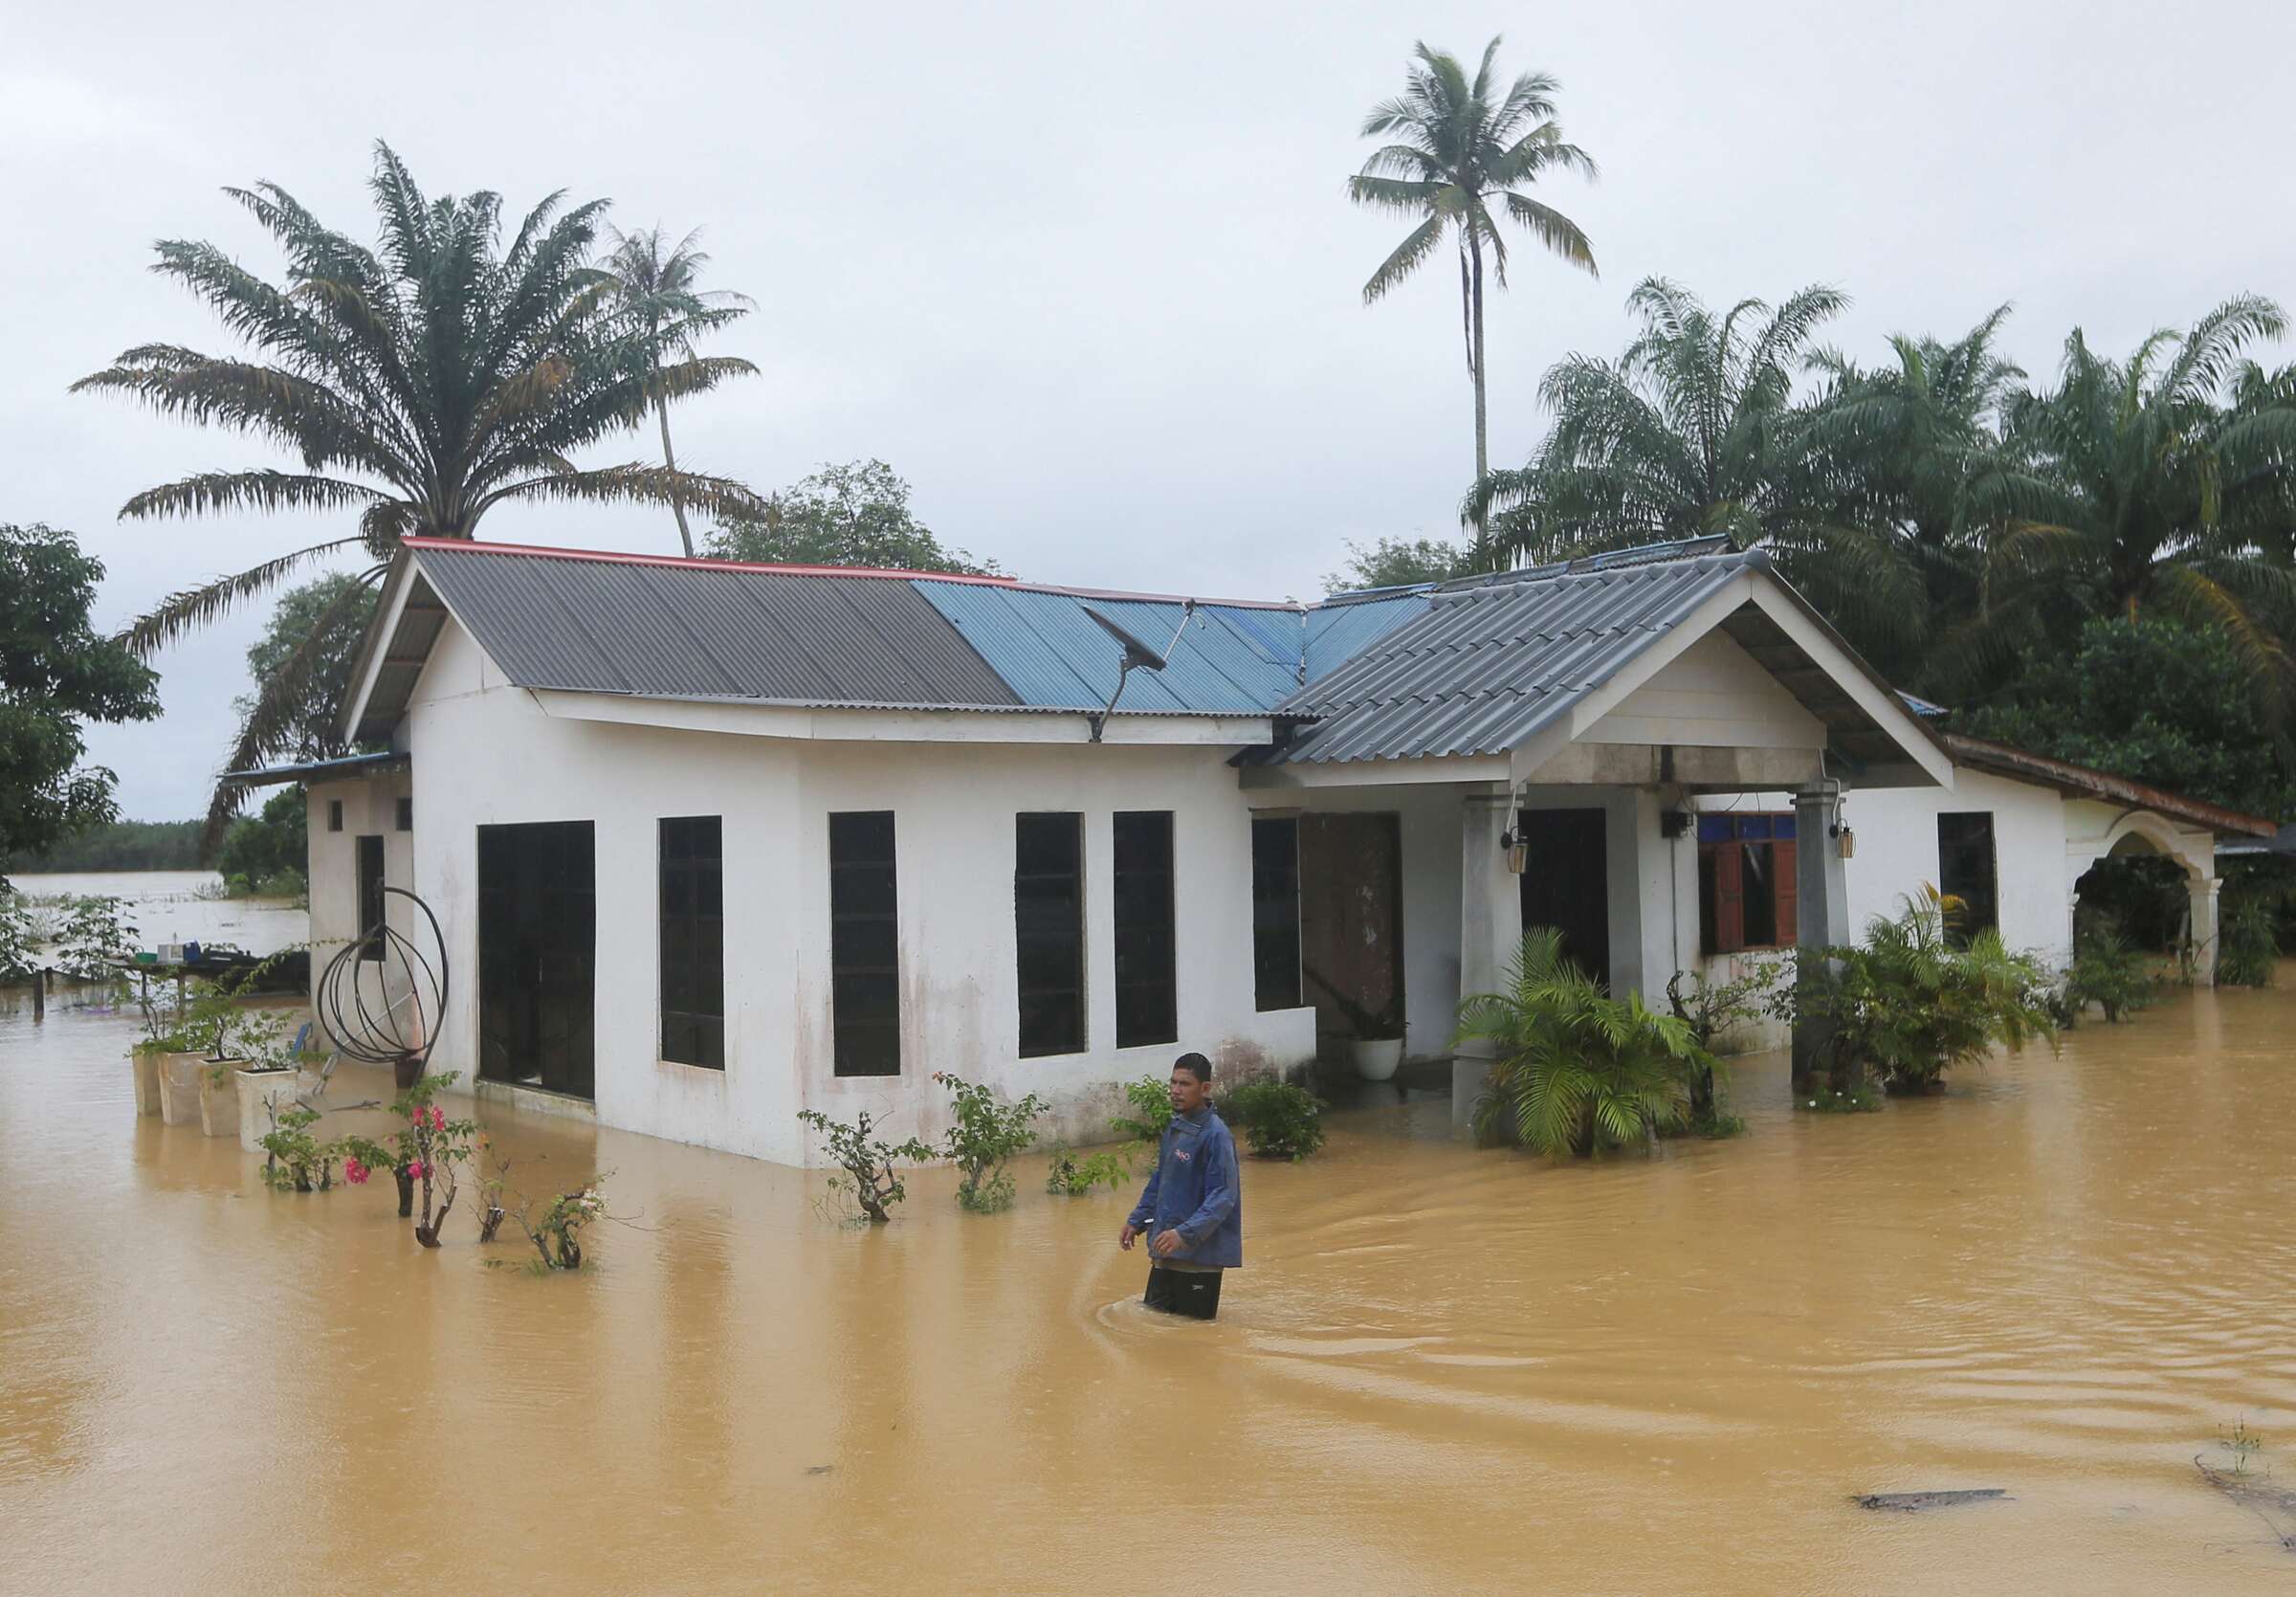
[179, 906]
[1441, 1369]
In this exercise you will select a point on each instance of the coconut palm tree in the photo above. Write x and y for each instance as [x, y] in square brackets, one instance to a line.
[2163, 484]
[1685, 435]
[1458, 149]
[418, 385]
[1905, 462]
[658, 290]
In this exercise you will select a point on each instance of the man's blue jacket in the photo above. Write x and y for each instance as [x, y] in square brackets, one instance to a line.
[1195, 1192]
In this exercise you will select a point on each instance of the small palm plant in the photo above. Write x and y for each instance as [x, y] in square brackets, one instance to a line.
[1577, 1071]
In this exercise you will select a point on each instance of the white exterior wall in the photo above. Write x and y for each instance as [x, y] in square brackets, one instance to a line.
[484, 753]
[370, 807]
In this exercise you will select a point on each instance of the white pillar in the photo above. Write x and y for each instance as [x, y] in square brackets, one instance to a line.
[1821, 899]
[1490, 928]
[2204, 890]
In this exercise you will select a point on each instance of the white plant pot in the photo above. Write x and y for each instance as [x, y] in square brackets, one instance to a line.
[179, 1086]
[218, 1103]
[1377, 1059]
[146, 1063]
[261, 1091]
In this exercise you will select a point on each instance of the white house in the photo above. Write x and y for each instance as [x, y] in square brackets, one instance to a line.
[710, 844]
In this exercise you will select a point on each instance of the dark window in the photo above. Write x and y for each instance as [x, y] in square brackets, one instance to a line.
[1047, 919]
[370, 894]
[1147, 987]
[865, 977]
[1276, 914]
[1747, 874]
[1965, 870]
[334, 815]
[406, 815]
[693, 918]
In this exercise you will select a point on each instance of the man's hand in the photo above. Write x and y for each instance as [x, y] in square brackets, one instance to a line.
[1124, 1237]
[1167, 1244]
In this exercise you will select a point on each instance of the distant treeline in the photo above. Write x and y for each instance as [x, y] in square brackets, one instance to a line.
[121, 846]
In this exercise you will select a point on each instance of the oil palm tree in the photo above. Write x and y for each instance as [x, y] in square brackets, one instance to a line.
[1457, 150]
[658, 289]
[1686, 433]
[1576, 1070]
[418, 385]
[2163, 484]
[1905, 461]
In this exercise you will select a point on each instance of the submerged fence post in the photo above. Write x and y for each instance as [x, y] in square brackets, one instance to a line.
[39, 992]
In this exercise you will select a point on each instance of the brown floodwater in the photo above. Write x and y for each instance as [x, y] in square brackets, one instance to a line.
[1441, 1369]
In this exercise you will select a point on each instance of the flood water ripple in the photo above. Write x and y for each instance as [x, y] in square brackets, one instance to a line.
[1441, 1369]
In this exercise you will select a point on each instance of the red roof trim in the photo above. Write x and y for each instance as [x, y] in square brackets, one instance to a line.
[545, 551]
[618, 558]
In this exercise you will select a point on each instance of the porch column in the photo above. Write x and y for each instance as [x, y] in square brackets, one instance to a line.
[1490, 928]
[1821, 904]
[2203, 889]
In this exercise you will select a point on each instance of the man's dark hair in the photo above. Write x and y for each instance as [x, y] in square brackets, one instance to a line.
[1196, 1065]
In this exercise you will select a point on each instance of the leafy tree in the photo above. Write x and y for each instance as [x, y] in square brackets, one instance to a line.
[2154, 699]
[272, 843]
[1399, 562]
[856, 514]
[2154, 480]
[418, 385]
[56, 674]
[1905, 466]
[346, 604]
[1458, 149]
[658, 290]
[121, 846]
[1689, 432]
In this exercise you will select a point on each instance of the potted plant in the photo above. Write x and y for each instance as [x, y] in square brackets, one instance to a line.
[1375, 1044]
[225, 1037]
[162, 1015]
[269, 1078]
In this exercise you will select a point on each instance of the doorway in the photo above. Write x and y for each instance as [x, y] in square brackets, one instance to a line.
[1566, 883]
[1351, 922]
[538, 954]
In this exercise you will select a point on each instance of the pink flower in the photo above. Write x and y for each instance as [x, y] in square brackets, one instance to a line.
[415, 1170]
[439, 1119]
[355, 1172]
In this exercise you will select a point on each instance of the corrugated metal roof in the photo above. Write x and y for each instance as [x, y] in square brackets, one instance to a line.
[702, 631]
[1483, 668]
[1336, 633]
[1227, 658]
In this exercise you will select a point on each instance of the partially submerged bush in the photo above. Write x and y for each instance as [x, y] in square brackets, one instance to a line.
[2246, 945]
[1149, 1102]
[987, 1135]
[557, 1233]
[2109, 973]
[1576, 1070]
[867, 1181]
[1073, 1174]
[294, 1160]
[1279, 1119]
[1710, 1008]
[1909, 1006]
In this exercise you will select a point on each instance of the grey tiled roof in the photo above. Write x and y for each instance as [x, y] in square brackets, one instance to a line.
[1491, 663]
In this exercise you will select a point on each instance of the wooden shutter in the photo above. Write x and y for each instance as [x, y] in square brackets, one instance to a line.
[1785, 873]
[1730, 898]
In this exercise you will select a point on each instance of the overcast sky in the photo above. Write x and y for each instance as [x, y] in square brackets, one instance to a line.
[1086, 275]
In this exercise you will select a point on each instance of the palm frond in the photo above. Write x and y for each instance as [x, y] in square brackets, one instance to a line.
[192, 607]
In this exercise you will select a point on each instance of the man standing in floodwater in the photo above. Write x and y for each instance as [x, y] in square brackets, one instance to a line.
[1192, 1211]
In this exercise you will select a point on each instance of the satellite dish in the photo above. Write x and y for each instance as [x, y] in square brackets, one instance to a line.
[1137, 655]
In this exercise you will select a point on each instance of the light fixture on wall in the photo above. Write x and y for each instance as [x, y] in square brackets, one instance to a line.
[1512, 845]
[1845, 841]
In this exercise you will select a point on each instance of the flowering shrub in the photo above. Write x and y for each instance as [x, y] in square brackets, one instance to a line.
[987, 1133]
[866, 1182]
[558, 1234]
[433, 1150]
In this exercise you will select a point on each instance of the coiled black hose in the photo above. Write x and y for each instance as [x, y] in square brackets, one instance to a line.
[384, 1032]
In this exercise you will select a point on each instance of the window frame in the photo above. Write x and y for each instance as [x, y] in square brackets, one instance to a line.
[368, 889]
[1074, 986]
[1264, 896]
[689, 940]
[853, 898]
[334, 815]
[1145, 916]
[1729, 842]
[1989, 918]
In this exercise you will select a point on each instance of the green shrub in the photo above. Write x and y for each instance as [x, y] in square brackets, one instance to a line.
[1577, 1071]
[2245, 947]
[1710, 1008]
[1150, 1101]
[2109, 973]
[987, 1135]
[1073, 1174]
[1910, 1005]
[865, 1180]
[1279, 1119]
